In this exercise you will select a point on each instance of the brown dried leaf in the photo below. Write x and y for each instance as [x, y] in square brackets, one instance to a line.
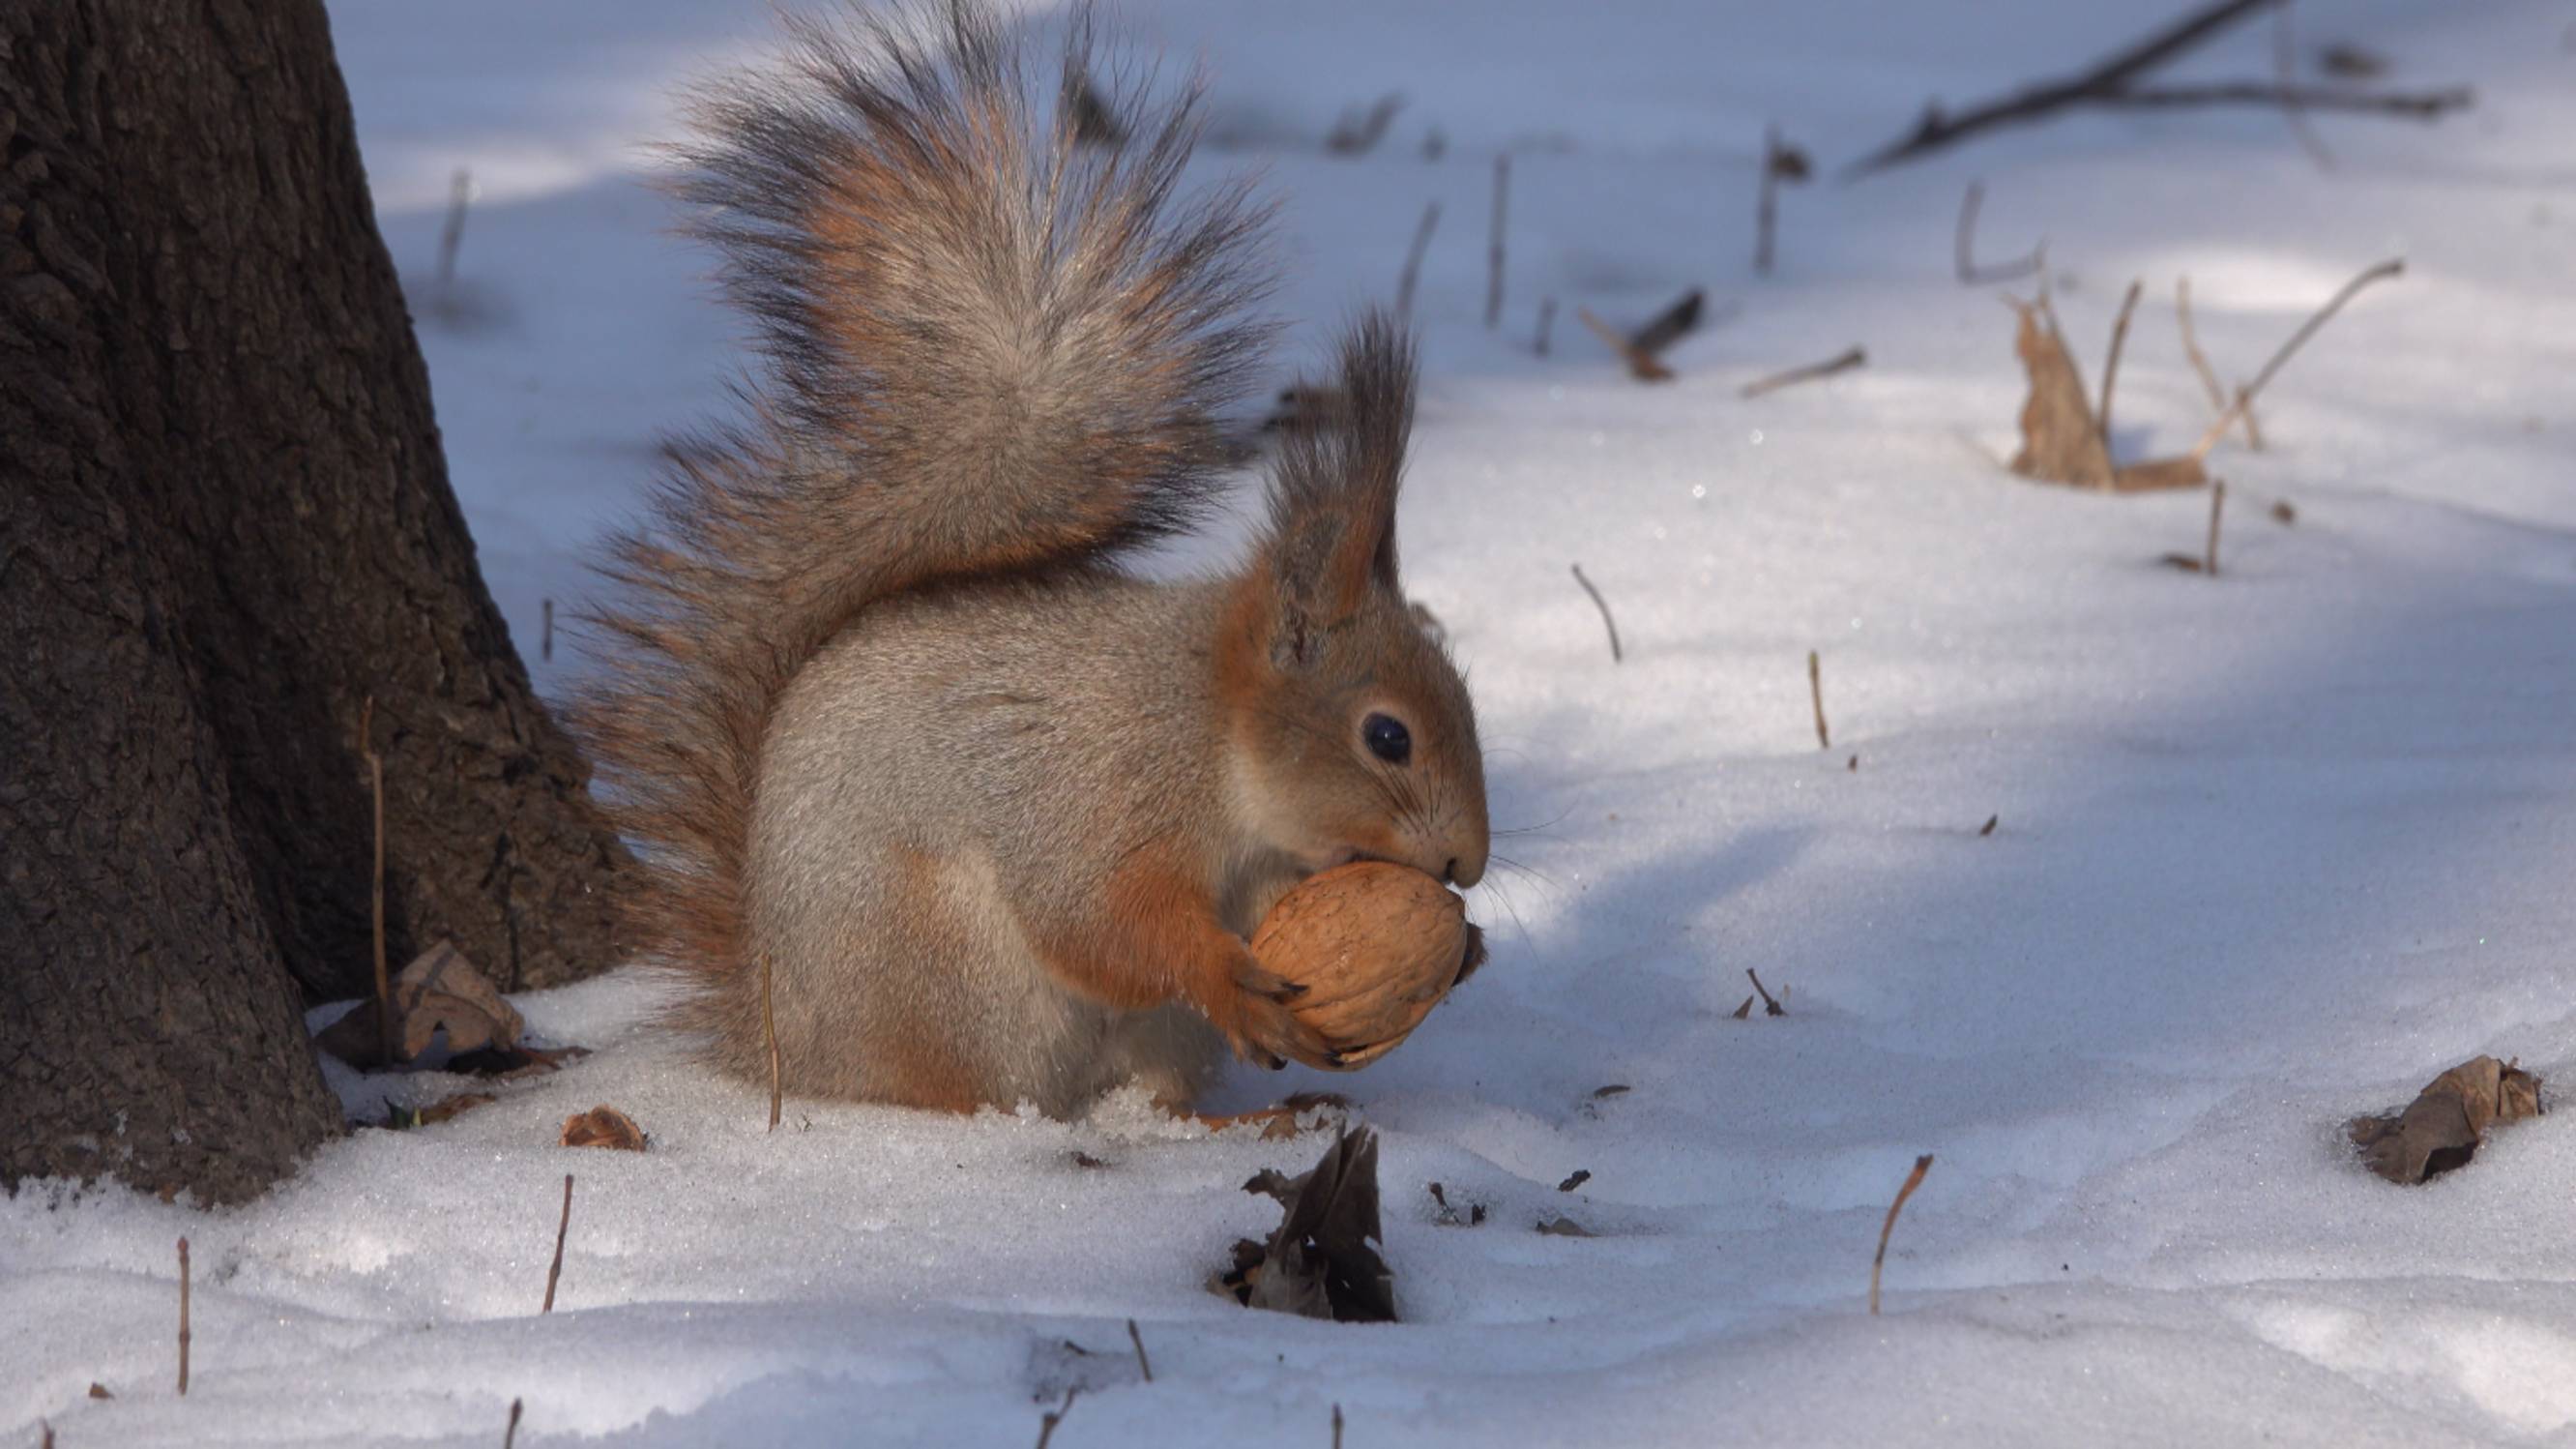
[440, 992]
[2447, 1122]
[603, 1126]
[448, 1108]
[1564, 1227]
[2060, 440]
[1321, 1262]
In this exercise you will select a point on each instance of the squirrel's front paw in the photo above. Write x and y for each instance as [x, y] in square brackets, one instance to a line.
[1261, 1023]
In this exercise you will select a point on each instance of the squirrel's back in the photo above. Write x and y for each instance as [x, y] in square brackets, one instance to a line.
[987, 349]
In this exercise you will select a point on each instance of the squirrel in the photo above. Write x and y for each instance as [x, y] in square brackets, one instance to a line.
[914, 765]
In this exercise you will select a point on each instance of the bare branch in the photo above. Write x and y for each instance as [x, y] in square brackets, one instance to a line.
[1936, 130]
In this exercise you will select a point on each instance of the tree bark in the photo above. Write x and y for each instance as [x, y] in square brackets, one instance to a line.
[224, 526]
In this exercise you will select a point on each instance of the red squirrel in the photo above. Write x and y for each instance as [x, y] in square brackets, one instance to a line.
[879, 705]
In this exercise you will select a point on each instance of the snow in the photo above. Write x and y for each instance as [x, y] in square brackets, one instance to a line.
[2272, 848]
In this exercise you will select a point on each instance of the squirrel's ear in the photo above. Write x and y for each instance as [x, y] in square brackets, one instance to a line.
[1332, 497]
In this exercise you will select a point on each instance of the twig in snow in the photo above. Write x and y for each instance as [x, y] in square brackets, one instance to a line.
[1766, 207]
[1144, 1365]
[1816, 691]
[1357, 133]
[1770, 1004]
[562, 1225]
[1337, 1426]
[1913, 1180]
[1052, 1417]
[1603, 605]
[384, 987]
[769, 1027]
[2207, 563]
[1964, 247]
[2217, 505]
[2191, 346]
[460, 195]
[1843, 361]
[2111, 364]
[1989, 827]
[1546, 321]
[510, 1436]
[1643, 350]
[2245, 395]
[1936, 130]
[1494, 247]
[183, 1318]
[1413, 262]
[2285, 68]
[1780, 162]
[546, 640]
[2208, 374]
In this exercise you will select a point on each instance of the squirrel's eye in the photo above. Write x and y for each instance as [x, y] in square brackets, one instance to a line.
[1387, 738]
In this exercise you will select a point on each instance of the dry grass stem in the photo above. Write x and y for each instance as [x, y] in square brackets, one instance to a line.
[2394, 266]
[1144, 1365]
[1052, 1417]
[1816, 693]
[1913, 1180]
[1843, 361]
[1413, 262]
[184, 1335]
[1963, 245]
[1603, 605]
[1546, 323]
[1770, 1004]
[554, 1271]
[510, 1436]
[2111, 364]
[1494, 247]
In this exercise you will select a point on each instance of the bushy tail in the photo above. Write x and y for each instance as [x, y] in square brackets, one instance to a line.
[986, 346]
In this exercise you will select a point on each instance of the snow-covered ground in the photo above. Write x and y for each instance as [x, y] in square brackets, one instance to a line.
[2273, 848]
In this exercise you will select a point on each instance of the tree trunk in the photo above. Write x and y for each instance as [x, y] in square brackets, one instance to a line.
[224, 526]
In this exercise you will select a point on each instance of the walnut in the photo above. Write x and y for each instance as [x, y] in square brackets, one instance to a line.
[1376, 946]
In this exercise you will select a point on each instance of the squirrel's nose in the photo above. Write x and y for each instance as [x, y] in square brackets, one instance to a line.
[1463, 874]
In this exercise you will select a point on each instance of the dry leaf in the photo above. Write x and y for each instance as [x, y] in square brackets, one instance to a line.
[603, 1126]
[448, 1108]
[439, 993]
[1564, 1227]
[1580, 1176]
[1321, 1262]
[2060, 440]
[99, 1391]
[2447, 1122]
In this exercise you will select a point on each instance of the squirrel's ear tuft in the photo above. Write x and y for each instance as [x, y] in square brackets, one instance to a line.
[1332, 496]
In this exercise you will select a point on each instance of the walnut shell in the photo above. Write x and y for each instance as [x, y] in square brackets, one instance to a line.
[1376, 946]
